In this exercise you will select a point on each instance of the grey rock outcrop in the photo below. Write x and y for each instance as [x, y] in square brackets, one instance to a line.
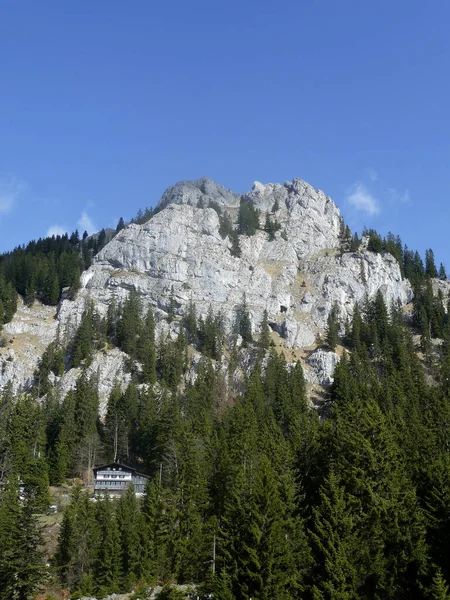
[323, 363]
[296, 278]
[179, 256]
[201, 191]
[25, 339]
[109, 367]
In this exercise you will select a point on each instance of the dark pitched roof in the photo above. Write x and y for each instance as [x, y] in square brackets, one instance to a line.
[118, 466]
[114, 466]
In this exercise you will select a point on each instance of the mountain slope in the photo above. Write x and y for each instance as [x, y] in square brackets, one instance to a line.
[179, 257]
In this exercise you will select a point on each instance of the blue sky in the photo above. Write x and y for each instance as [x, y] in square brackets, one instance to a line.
[103, 105]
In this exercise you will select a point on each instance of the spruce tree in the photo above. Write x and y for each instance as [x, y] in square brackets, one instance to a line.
[112, 320]
[332, 333]
[235, 249]
[26, 445]
[84, 543]
[146, 348]
[171, 306]
[336, 548]
[243, 324]
[189, 322]
[130, 525]
[248, 218]
[264, 336]
[115, 426]
[130, 324]
[22, 567]
[225, 225]
[439, 588]
[83, 345]
[109, 564]
[430, 266]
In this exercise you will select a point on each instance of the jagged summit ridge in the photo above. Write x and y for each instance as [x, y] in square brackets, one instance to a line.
[203, 190]
[179, 256]
[295, 277]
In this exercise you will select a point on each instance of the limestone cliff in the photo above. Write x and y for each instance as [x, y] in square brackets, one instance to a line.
[297, 277]
[179, 253]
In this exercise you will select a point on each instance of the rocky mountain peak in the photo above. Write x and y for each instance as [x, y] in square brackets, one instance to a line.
[201, 192]
[298, 274]
[179, 254]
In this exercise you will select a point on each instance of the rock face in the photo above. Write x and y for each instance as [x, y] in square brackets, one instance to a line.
[323, 363]
[25, 339]
[200, 192]
[296, 277]
[108, 367]
[179, 255]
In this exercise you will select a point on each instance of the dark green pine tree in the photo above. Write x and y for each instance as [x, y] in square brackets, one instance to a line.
[189, 322]
[112, 317]
[248, 219]
[384, 508]
[30, 293]
[200, 399]
[210, 335]
[130, 523]
[439, 588]
[74, 283]
[335, 544]
[172, 360]
[375, 243]
[66, 540]
[147, 349]
[109, 561]
[26, 445]
[83, 345]
[225, 225]
[2, 314]
[268, 227]
[171, 307]
[355, 243]
[22, 568]
[264, 336]
[255, 537]
[152, 542]
[62, 450]
[9, 302]
[115, 434]
[235, 249]
[86, 424]
[223, 586]
[437, 509]
[442, 274]
[86, 406]
[243, 325]
[84, 544]
[332, 333]
[187, 468]
[379, 317]
[51, 290]
[430, 266]
[130, 324]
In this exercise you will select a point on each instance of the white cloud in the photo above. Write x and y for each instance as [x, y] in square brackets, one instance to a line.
[395, 196]
[85, 223]
[372, 174]
[10, 190]
[56, 230]
[360, 198]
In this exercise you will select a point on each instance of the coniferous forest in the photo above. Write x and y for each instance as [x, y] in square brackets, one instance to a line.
[251, 494]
